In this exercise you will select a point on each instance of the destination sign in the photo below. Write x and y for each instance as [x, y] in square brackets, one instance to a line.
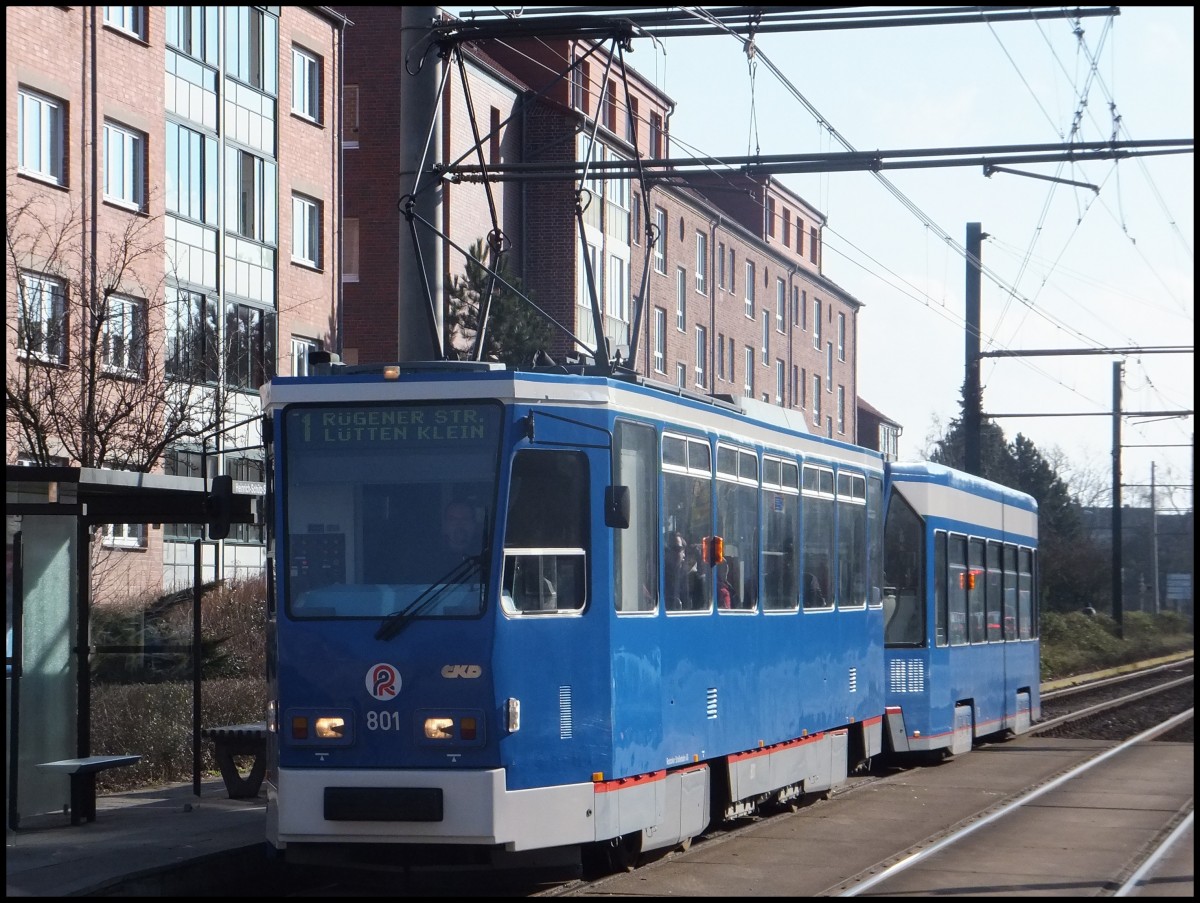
[392, 425]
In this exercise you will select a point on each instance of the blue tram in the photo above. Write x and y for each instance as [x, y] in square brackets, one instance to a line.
[532, 611]
[960, 616]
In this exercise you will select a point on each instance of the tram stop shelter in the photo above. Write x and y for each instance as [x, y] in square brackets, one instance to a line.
[50, 512]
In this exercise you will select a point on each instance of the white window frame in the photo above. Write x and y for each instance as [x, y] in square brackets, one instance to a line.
[40, 149]
[123, 336]
[817, 323]
[124, 165]
[817, 399]
[701, 263]
[660, 340]
[841, 337]
[306, 231]
[701, 356]
[128, 19]
[306, 85]
[748, 374]
[780, 306]
[780, 381]
[681, 299]
[766, 337]
[721, 265]
[829, 366]
[841, 409]
[660, 243]
[681, 374]
[124, 536]
[750, 281]
[301, 346]
[49, 296]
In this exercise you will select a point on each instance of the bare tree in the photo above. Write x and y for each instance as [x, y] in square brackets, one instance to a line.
[87, 375]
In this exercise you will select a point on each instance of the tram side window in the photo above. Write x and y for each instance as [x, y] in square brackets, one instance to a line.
[956, 590]
[635, 548]
[875, 540]
[687, 520]
[781, 515]
[976, 604]
[737, 523]
[544, 545]
[904, 576]
[818, 537]
[1010, 592]
[852, 540]
[940, 602]
[995, 593]
[1025, 593]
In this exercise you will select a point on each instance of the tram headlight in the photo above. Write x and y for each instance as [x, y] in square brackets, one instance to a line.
[329, 728]
[461, 727]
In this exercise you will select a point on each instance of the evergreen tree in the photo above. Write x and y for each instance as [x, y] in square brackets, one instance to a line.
[515, 330]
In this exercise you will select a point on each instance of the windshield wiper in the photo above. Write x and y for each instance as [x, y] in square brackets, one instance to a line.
[398, 620]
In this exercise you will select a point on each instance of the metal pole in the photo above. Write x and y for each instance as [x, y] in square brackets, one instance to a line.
[1154, 540]
[197, 582]
[972, 398]
[1116, 500]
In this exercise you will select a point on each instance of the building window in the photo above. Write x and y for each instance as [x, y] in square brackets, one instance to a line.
[803, 387]
[780, 381]
[780, 305]
[681, 299]
[748, 371]
[306, 231]
[252, 36]
[610, 106]
[129, 19]
[841, 409]
[721, 265]
[581, 77]
[660, 340]
[41, 327]
[656, 136]
[795, 305]
[350, 249]
[720, 355]
[124, 536]
[812, 244]
[701, 356]
[787, 226]
[350, 116]
[799, 236]
[246, 469]
[306, 84]
[829, 367]
[193, 30]
[250, 196]
[300, 349]
[660, 240]
[766, 337]
[732, 361]
[249, 345]
[191, 174]
[124, 172]
[817, 323]
[681, 375]
[185, 462]
[804, 310]
[40, 136]
[771, 217]
[816, 400]
[123, 336]
[841, 337]
[192, 336]
[631, 120]
[732, 273]
[795, 384]
[750, 283]
[701, 262]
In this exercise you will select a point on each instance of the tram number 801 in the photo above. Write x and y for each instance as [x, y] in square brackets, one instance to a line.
[383, 721]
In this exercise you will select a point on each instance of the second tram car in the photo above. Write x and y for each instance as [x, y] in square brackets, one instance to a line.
[563, 612]
[961, 625]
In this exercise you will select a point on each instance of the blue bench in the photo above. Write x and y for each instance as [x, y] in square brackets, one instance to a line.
[240, 740]
[83, 780]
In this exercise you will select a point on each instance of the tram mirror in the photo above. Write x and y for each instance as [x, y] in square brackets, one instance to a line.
[219, 505]
[616, 506]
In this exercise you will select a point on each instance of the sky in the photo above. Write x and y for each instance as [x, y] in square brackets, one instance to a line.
[1065, 267]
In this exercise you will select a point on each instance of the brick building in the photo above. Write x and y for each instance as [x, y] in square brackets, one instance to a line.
[736, 301]
[173, 187]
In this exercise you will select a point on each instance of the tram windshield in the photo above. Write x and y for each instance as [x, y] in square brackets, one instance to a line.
[388, 508]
